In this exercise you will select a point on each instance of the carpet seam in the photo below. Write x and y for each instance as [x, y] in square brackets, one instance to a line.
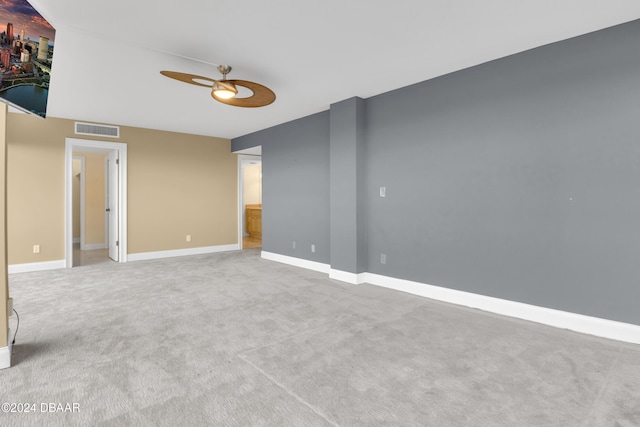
[603, 388]
[291, 393]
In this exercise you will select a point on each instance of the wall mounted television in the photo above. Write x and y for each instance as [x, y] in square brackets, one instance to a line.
[26, 49]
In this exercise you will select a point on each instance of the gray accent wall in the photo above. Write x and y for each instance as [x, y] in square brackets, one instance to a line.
[517, 179]
[347, 186]
[295, 186]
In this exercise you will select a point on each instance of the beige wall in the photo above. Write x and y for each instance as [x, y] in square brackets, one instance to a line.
[35, 188]
[181, 184]
[178, 184]
[94, 197]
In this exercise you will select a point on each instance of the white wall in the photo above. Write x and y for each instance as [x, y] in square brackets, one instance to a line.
[253, 185]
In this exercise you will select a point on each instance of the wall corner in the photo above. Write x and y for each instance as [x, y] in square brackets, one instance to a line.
[5, 348]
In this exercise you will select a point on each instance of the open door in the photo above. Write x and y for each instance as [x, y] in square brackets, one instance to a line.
[115, 195]
[112, 204]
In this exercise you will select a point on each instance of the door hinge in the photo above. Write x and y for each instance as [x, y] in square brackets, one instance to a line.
[117, 161]
[117, 242]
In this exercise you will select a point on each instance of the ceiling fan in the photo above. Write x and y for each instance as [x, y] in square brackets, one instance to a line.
[225, 91]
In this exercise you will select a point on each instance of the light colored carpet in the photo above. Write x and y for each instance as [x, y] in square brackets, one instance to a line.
[231, 339]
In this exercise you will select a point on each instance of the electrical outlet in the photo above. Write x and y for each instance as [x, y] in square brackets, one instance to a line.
[293, 244]
[188, 237]
[36, 249]
[383, 191]
[313, 248]
[383, 258]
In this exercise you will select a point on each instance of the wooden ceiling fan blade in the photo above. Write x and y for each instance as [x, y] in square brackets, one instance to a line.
[261, 95]
[189, 78]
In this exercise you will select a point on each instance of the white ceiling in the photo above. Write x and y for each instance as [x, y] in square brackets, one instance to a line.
[312, 53]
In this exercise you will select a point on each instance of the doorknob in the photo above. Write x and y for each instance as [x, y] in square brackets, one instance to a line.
[108, 210]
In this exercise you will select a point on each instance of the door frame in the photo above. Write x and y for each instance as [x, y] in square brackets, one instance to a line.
[243, 160]
[111, 158]
[86, 145]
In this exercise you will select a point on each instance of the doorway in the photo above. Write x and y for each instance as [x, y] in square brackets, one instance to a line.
[88, 176]
[100, 235]
[250, 198]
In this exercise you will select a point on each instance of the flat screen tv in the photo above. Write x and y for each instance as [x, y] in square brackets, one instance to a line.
[26, 49]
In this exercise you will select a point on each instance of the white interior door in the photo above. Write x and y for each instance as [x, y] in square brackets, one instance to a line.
[112, 204]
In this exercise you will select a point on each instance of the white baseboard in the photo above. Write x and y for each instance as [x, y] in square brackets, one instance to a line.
[5, 353]
[93, 246]
[589, 325]
[344, 276]
[560, 319]
[144, 256]
[36, 266]
[297, 262]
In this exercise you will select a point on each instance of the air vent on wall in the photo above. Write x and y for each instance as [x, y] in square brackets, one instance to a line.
[97, 130]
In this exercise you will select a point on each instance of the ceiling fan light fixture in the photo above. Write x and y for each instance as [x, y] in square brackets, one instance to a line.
[224, 90]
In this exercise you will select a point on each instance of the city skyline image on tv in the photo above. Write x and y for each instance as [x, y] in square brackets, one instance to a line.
[26, 49]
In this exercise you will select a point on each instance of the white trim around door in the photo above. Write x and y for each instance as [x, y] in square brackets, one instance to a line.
[85, 145]
[243, 160]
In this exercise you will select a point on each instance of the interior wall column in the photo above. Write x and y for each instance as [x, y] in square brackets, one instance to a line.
[5, 353]
[347, 145]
